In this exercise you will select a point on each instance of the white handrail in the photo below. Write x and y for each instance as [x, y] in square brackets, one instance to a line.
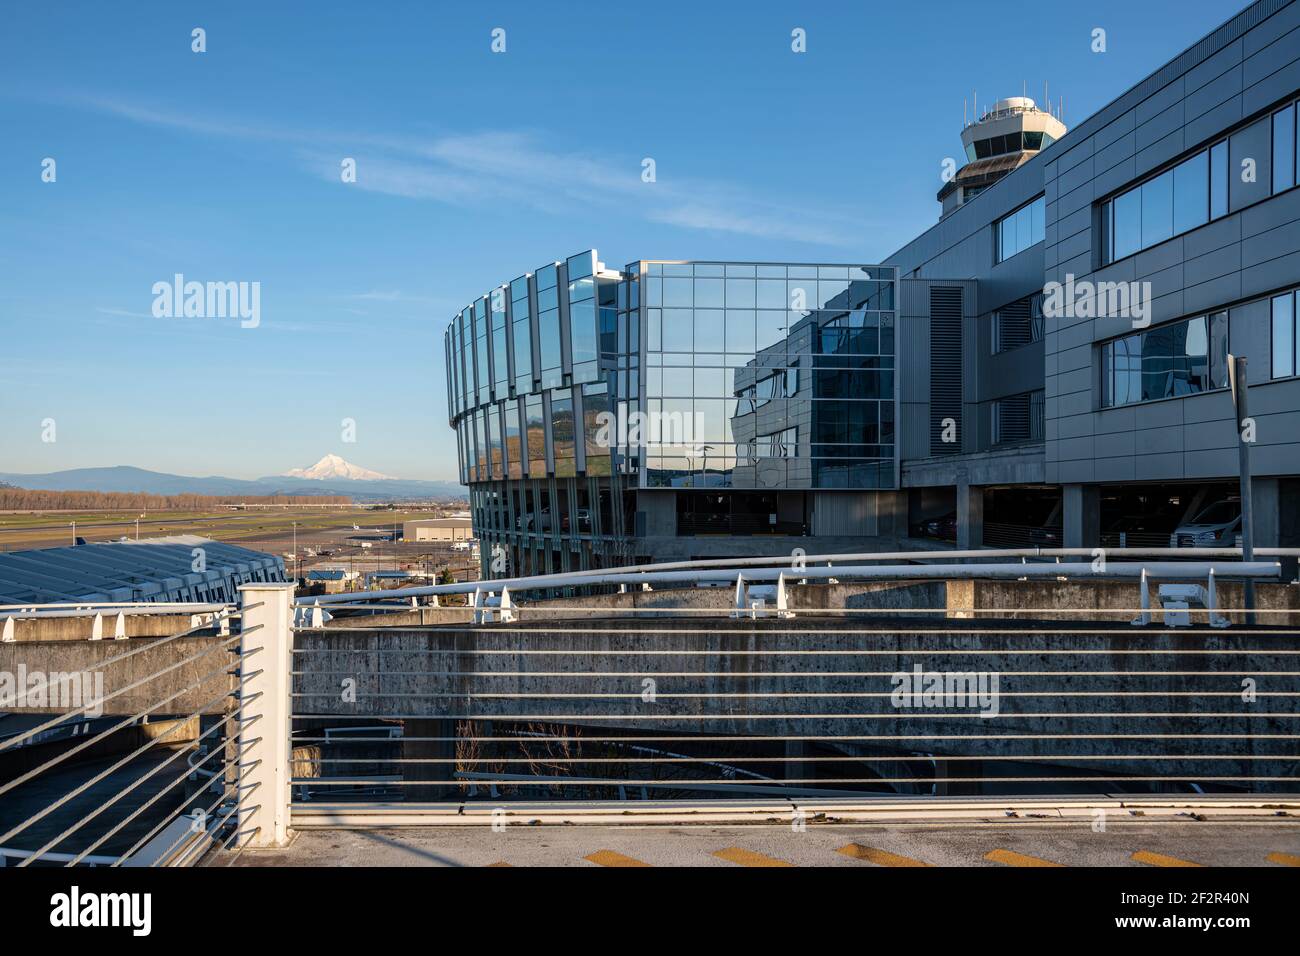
[1172, 570]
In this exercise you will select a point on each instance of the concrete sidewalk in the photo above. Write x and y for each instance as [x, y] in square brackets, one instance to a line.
[1250, 841]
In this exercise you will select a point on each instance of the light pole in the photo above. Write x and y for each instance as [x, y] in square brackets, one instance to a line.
[74, 534]
[296, 567]
[1237, 379]
[137, 527]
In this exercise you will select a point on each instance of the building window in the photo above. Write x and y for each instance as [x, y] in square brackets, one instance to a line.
[1017, 323]
[1019, 230]
[548, 326]
[1176, 201]
[1018, 418]
[562, 433]
[522, 334]
[1284, 337]
[1183, 358]
[1284, 144]
[1201, 188]
[535, 436]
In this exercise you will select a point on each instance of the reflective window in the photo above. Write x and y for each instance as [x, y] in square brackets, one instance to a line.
[709, 331]
[483, 373]
[598, 440]
[562, 434]
[492, 415]
[1183, 358]
[513, 443]
[1127, 225]
[1191, 193]
[1283, 337]
[522, 333]
[500, 356]
[789, 384]
[1218, 180]
[1203, 187]
[1284, 145]
[1021, 229]
[548, 326]
[535, 425]
[1218, 348]
[1158, 209]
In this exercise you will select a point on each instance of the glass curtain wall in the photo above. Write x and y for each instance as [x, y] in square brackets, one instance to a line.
[769, 376]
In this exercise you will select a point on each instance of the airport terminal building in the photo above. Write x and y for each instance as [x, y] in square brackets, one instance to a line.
[1046, 365]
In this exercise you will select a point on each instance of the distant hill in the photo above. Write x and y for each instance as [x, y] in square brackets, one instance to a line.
[129, 479]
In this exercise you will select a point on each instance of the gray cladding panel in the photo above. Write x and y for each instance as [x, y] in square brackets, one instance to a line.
[1239, 72]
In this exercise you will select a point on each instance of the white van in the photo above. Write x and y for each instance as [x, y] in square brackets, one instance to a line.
[1216, 526]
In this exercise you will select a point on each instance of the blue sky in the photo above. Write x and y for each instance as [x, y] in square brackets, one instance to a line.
[472, 167]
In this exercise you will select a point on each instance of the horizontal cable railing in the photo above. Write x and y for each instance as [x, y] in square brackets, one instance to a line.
[600, 710]
[200, 743]
[1007, 535]
[142, 755]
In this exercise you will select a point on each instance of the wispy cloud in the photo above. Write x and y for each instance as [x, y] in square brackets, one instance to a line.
[123, 313]
[501, 168]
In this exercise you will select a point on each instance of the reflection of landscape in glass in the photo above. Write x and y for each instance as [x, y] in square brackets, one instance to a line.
[785, 372]
[788, 368]
[1182, 358]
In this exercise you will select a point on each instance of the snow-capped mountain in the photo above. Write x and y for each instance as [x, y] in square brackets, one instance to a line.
[332, 466]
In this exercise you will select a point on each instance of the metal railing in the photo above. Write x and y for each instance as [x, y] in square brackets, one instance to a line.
[532, 706]
[144, 755]
[765, 685]
[590, 711]
[933, 565]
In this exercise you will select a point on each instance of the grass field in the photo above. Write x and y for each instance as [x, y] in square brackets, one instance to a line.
[267, 528]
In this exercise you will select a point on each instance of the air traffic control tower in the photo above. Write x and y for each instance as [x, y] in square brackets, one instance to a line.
[1001, 140]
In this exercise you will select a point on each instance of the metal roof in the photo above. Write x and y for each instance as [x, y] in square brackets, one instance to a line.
[154, 569]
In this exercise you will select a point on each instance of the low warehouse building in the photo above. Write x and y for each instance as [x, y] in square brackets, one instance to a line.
[438, 529]
[172, 569]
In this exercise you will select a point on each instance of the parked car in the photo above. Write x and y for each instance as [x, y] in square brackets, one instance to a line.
[944, 526]
[1045, 537]
[1215, 527]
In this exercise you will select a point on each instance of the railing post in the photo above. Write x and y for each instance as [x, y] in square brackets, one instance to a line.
[266, 646]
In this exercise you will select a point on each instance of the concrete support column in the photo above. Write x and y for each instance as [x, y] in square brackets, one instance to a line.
[1267, 501]
[266, 651]
[1081, 515]
[660, 509]
[970, 515]
[891, 513]
[436, 780]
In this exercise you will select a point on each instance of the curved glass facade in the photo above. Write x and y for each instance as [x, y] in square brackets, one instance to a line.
[573, 387]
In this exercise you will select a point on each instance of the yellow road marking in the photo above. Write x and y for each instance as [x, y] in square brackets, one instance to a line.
[610, 858]
[1159, 859]
[878, 857]
[1283, 859]
[501, 863]
[1011, 858]
[735, 854]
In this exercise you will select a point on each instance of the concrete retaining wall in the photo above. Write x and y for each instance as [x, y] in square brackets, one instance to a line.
[192, 683]
[1094, 684]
